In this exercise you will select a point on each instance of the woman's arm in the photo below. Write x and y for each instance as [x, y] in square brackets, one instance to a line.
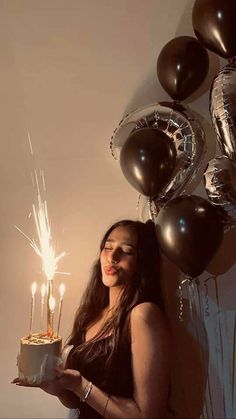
[151, 353]
[151, 371]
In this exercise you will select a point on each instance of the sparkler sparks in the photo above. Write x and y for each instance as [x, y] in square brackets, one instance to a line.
[43, 247]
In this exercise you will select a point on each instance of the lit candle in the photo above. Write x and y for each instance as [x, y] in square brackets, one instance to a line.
[52, 303]
[43, 292]
[61, 291]
[33, 291]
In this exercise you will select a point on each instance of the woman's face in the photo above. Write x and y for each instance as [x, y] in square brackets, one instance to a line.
[119, 257]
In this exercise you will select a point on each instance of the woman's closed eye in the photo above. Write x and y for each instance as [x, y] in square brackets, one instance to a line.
[125, 251]
[107, 248]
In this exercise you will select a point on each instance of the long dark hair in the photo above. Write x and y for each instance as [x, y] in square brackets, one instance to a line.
[144, 287]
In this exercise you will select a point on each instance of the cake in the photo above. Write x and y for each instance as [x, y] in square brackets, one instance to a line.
[39, 355]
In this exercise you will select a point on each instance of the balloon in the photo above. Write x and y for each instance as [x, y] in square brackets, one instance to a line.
[147, 160]
[189, 230]
[220, 184]
[214, 25]
[182, 66]
[223, 109]
[180, 125]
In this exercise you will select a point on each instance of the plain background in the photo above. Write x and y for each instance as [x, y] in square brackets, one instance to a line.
[69, 71]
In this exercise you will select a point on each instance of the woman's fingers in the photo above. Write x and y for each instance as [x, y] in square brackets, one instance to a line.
[21, 383]
[15, 381]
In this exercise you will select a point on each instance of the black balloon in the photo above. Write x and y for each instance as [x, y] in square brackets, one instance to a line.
[147, 160]
[182, 66]
[214, 25]
[189, 230]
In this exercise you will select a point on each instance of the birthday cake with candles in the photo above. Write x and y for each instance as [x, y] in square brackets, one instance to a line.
[40, 352]
[39, 355]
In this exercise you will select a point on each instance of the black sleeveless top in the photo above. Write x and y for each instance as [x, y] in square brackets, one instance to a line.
[118, 381]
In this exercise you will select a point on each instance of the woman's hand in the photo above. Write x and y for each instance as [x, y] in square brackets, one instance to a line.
[65, 380]
[68, 379]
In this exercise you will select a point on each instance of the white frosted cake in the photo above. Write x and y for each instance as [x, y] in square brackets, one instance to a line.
[39, 355]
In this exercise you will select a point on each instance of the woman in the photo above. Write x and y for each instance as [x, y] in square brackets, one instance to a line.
[119, 366]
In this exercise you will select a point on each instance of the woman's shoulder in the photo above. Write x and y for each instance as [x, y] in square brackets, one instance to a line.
[148, 316]
[146, 311]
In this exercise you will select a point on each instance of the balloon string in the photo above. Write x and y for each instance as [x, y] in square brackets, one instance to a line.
[208, 384]
[191, 291]
[138, 205]
[157, 118]
[196, 323]
[189, 285]
[192, 306]
[207, 305]
[181, 304]
[152, 209]
[221, 339]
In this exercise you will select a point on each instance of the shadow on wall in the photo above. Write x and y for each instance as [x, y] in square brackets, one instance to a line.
[225, 258]
[150, 91]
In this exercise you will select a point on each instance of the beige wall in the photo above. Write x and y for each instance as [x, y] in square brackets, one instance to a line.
[69, 70]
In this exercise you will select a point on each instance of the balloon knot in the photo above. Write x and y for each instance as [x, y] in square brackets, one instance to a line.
[232, 60]
[176, 102]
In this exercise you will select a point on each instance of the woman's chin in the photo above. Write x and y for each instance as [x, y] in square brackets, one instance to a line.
[110, 280]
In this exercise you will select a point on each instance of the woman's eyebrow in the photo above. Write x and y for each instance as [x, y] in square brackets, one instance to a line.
[125, 243]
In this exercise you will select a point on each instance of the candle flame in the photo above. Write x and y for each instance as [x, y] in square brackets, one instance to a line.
[52, 303]
[33, 288]
[62, 290]
[43, 290]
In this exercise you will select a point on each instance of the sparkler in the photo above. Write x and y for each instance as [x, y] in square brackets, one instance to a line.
[43, 292]
[61, 291]
[43, 246]
[51, 304]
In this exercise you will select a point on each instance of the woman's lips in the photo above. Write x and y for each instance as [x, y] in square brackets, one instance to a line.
[110, 270]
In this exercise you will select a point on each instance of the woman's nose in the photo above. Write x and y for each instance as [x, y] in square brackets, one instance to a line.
[114, 256]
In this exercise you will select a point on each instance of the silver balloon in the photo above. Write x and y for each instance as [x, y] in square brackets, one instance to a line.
[181, 126]
[223, 109]
[220, 184]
